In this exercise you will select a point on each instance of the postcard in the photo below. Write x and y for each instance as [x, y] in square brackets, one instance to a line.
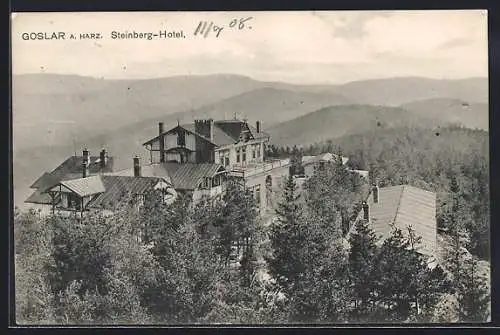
[251, 168]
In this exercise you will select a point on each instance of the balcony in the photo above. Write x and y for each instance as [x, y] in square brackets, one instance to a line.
[252, 169]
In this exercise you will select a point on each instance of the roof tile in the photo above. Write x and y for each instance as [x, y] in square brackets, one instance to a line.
[187, 176]
[118, 188]
[85, 186]
[403, 206]
[71, 168]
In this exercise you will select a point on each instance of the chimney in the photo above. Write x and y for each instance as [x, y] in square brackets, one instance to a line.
[162, 142]
[137, 167]
[85, 163]
[366, 211]
[257, 125]
[103, 158]
[211, 122]
[205, 128]
[375, 194]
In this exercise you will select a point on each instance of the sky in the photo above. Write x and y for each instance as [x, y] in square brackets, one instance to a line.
[310, 47]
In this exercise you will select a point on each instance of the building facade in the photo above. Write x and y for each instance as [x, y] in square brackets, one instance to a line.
[91, 185]
[235, 145]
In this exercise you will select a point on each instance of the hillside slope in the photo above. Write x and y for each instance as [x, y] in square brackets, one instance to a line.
[397, 91]
[55, 109]
[470, 114]
[267, 104]
[337, 121]
[56, 115]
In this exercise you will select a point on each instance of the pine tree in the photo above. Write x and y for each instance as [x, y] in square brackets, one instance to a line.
[473, 293]
[285, 264]
[361, 266]
[237, 220]
[404, 283]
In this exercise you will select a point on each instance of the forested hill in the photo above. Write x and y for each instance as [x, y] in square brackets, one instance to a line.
[336, 121]
[451, 161]
[96, 271]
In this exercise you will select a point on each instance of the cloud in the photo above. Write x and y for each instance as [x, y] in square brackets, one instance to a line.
[354, 25]
[455, 43]
[314, 46]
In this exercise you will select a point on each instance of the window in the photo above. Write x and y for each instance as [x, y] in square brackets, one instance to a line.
[237, 155]
[254, 149]
[74, 201]
[224, 157]
[216, 181]
[181, 138]
[205, 184]
[244, 149]
[258, 150]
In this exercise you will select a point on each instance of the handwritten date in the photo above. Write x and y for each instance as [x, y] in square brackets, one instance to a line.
[206, 28]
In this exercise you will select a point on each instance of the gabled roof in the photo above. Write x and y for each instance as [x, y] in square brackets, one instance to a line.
[234, 128]
[402, 206]
[39, 181]
[185, 176]
[221, 138]
[186, 127]
[226, 132]
[188, 176]
[256, 135]
[152, 170]
[71, 168]
[120, 188]
[85, 186]
[38, 197]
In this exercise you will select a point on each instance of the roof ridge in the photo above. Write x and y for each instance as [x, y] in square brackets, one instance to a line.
[399, 204]
[178, 126]
[125, 176]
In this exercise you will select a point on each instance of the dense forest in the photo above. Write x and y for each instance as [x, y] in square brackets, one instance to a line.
[451, 161]
[215, 262]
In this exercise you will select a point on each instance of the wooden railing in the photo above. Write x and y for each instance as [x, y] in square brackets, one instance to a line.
[252, 170]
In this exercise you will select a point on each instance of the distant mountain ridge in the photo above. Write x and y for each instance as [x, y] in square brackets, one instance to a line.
[401, 90]
[66, 112]
[75, 107]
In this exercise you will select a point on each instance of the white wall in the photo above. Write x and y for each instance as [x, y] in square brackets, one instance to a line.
[171, 141]
[249, 156]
